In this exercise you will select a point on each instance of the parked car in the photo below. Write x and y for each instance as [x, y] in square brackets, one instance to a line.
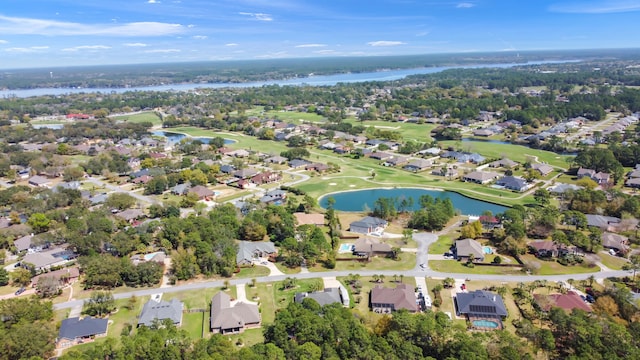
[20, 291]
[463, 287]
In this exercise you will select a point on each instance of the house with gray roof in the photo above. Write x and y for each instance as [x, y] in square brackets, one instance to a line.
[130, 214]
[181, 189]
[251, 250]
[77, 330]
[604, 223]
[46, 259]
[561, 188]
[368, 225]
[326, 297]
[469, 247]
[503, 163]
[480, 177]
[385, 300]
[161, 311]
[481, 305]
[616, 242]
[513, 183]
[23, 243]
[418, 165]
[232, 319]
[39, 181]
[367, 246]
[543, 169]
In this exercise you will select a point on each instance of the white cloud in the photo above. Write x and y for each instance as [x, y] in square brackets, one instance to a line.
[87, 47]
[310, 45]
[385, 43]
[275, 55]
[200, 37]
[29, 26]
[324, 52]
[258, 16]
[163, 51]
[153, 2]
[465, 5]
[135, 44]
[596, 7]
[422, 33]
[26, 49]
[231, 44]
[4, 42]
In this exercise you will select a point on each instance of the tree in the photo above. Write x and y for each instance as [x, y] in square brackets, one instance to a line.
[633, 265]
[48, 286]
[184, 264]
[4, 277]
[542, 197]
[21, 277]
[100, 303]
[120, 201]
[39, 222]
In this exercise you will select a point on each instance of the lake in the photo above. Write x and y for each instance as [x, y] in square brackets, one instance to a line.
[176, 137]
[486, 141]
[320, 80]
[356, 200]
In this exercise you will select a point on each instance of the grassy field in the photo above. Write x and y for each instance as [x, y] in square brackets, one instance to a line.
[442, 245]
[454, 266]
[265, 293]
[192, 323]
[554, 268]
[149, 116]
[251, 272]
[612, 262]
[197, 299]
[514, 152]
[406, 261]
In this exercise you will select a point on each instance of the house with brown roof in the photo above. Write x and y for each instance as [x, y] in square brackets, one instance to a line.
[202, 192]
[228, 318]
[130, 215]
[309, 219]
[468, 247]
[503, 163]
[62, 276]
[369, 247]
[616, 242]
[142, 179]
[566, 302]
[385, 300]
[265, 178]
[543, 169]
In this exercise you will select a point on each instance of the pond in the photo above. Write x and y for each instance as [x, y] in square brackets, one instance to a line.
[361, 199]
[486, 141]
[176, 137]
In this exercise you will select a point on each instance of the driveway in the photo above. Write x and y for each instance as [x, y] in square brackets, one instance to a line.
[273, 270]
[241, 294]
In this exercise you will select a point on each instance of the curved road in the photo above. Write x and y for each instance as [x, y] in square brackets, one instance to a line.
[423, 239]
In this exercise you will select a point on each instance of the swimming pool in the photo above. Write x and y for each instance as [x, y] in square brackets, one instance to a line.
[485, 324]
[487, 250]
[346, 248]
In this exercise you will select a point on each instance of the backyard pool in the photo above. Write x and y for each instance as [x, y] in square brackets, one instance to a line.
[485, 324]
[344, 248]
[487, 250]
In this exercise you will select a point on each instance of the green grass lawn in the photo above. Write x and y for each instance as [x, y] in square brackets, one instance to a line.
[406, 261]
[443, 244]
[249, 337]
[254, 271]
[282, 298]
[612, 262]
[192, 323]
[149, 116]
[200, 299]
[555, 268]
[125, 316]
[295, 116]
[454, 266]
[266, 299]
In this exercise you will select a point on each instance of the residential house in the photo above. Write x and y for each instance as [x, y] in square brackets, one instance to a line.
[604, 223]
[298, 163]
[326, 297]
[633, 183]
[62, 276]
[489, 222]
[276, 160]
[448, 172]
[546, 248]
[47, 259]
[467, 248]
[241, 153]
[481, 305]
[567, 302]
[248, 251]
[560, 188]
[130, 215]
[369, 247]
[181, 189]
[276, 196]
[39, 181]
[418, 165]
[317, 167]
[396, 161]
[378, 155]
[599, 177]
[227, 169]
[153, 311]
[23, 243]
[77, 330]
[309, 219]
[158, 256]
[142, 179]
[245, 173]
[265, 178]
[616, 242]
[480, 177]
[202, 192]
[368, 225]
[232, 319]
[543, 169]
[503, 163]
[385, 300]
[513, 183]
[482, 132]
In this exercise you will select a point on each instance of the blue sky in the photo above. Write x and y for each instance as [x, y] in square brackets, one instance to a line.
[43, 33]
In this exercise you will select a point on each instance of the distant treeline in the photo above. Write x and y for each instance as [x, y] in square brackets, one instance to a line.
[120, 76]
